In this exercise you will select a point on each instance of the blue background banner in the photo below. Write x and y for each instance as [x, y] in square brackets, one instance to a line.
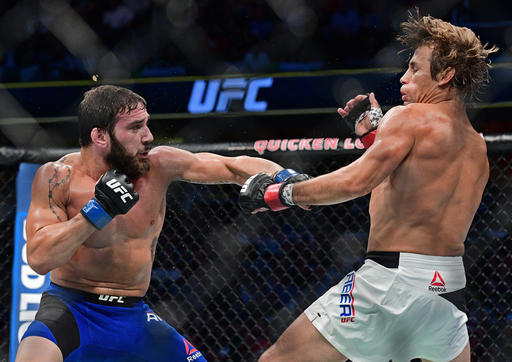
[27, 285]
[279, 91]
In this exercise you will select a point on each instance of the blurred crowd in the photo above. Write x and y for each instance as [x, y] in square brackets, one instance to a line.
[79, 39]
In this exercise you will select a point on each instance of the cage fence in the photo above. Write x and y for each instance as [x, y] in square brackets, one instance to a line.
[231, 283]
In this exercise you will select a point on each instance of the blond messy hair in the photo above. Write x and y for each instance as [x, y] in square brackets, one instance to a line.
[454, 47]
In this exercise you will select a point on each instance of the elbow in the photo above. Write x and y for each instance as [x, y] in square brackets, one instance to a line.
[358, 188]
[243, 158]
[38, 264]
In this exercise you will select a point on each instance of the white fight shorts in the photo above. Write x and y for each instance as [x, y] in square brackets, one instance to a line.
[397, 306]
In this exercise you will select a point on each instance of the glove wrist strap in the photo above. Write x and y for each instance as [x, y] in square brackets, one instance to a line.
[95, 214]
[375, 116]
[285, 194]
[273, 197]
[368, 138]
[284, 175]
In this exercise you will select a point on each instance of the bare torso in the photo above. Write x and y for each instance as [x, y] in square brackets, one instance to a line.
[117, 259]
[427, 204]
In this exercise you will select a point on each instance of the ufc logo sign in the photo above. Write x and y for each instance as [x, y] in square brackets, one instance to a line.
[117, 187]
[217, 95]
[110, 298]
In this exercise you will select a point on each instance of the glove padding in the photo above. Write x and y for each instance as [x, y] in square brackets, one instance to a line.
[360, 111]
[298, 178]
[113, 195]
[290, 175]
[261, 192]
[252, 193]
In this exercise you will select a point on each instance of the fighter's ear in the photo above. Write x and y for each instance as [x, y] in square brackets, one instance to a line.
[100, 137]
[444, 77]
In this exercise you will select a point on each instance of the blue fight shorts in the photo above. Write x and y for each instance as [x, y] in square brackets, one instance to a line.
[98, 327]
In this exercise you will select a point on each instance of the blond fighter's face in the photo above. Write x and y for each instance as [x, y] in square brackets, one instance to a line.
[417, 83]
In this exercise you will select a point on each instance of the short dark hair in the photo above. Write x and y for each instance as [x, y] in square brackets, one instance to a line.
[100, 107]
[454, 46]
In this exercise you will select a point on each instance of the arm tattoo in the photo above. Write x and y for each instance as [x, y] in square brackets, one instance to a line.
[53, 183]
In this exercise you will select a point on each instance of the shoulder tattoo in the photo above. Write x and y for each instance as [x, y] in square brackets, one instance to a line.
[54, 182]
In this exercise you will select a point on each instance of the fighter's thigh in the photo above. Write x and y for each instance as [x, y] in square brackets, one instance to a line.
[464, 356]
[301, 341]
[161, 342]
[38, 349]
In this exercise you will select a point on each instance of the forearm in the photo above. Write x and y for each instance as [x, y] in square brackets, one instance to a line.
[53, 245]
[356, 179]
[243, 167]
[218, 169]
[332, 188]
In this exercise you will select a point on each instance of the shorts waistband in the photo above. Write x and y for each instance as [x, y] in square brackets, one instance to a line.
[389, 259]
[394, 259]
[102, 299]
[430, 273]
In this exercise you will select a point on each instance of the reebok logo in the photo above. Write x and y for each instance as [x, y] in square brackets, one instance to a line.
[110, 298]
[191, 351]
[348, 312]
[117, 187]
[437, 284]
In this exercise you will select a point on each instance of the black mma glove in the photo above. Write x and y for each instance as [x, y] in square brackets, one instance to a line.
[290, 176]
[113, 195]
[360, 111]
[261, 191]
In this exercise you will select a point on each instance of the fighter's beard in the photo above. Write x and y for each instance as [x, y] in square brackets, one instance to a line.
[119, 159]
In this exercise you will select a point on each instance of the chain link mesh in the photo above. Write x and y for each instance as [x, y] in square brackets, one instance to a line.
[7, 217]
[231, 283]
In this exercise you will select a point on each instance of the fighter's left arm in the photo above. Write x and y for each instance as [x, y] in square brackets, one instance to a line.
[210, 168]
[394, 141]
[214, 168]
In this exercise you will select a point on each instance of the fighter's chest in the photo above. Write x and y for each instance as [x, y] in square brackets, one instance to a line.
[140, 220]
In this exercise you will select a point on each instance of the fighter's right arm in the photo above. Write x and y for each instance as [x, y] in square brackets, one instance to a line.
[52, 237]
[393, 143]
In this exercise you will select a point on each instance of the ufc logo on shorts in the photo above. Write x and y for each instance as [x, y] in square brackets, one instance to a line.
[117, 187]
[217, 95]
[110, 298]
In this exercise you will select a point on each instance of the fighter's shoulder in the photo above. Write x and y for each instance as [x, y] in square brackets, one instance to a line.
[409, 110]
[409, 115]
[62, 166]
[477, 141]
[397, 116]
[166, 153]
[171, 159]
[56, 175]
